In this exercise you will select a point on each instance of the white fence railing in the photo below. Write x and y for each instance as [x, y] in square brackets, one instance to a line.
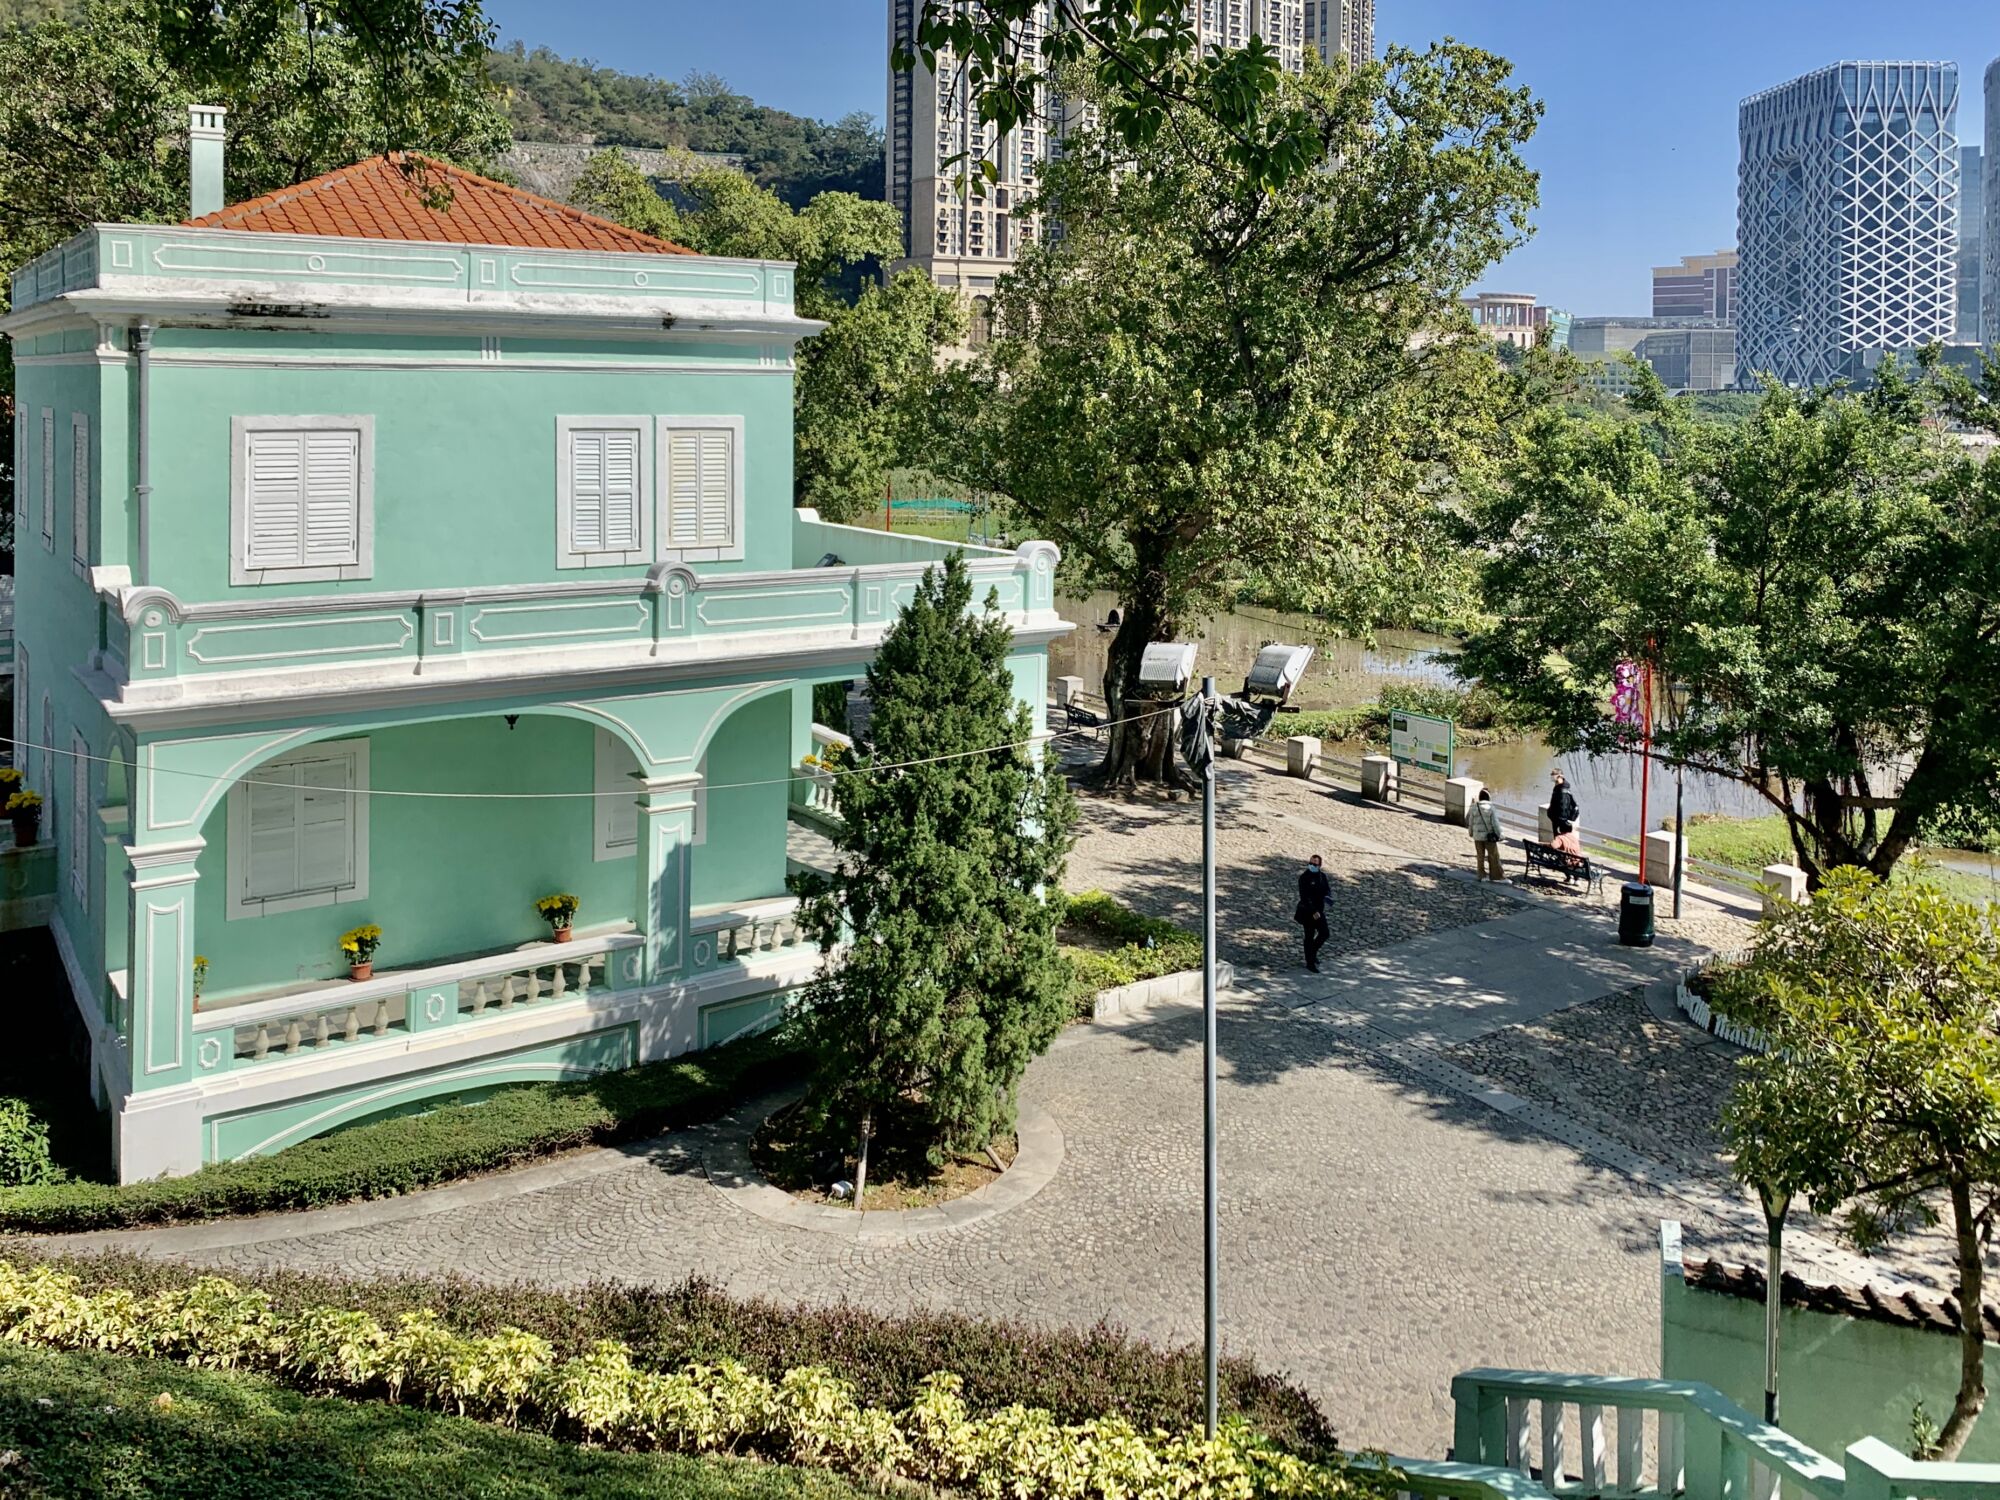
[743, 932]
[830, 747]
[407, 1001]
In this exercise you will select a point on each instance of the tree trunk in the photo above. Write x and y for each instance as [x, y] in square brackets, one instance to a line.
[1971, 1399]
[1141, 750]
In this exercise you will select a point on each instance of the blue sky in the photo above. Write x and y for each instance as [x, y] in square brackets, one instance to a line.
[1637, 153]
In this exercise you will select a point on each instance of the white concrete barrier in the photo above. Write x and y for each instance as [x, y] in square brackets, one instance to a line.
[1301, 755]
[1378, 778]
[1663, 854]
[1459, 794]
[1068, 690]
[1783, 883]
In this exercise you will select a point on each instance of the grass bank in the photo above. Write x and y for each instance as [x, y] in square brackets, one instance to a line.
[1477, 716]
[1749, 844]
[97, 1426]
[514, 1125]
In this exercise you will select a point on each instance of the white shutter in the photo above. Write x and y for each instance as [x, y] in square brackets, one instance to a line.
[47, 740]
[271, 843]
[586, 491]
[274, 503]
[79, 434]
[718, 473]
[79, 819]
[327, 810]
[617, 802]
[332, 498]
[684, 489]
[621, 491]
[48, 477]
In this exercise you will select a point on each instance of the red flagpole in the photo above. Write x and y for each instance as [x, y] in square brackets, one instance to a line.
[888, 507]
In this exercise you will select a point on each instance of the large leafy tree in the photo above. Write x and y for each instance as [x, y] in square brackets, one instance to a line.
[1204, 378]
[951, 849]
[865, 384]
[1823, 578]
[1880, 1094]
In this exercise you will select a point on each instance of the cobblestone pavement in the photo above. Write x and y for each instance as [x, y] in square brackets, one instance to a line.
[1419, 1172]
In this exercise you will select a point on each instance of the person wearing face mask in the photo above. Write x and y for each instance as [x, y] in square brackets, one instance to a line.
[1315, 890]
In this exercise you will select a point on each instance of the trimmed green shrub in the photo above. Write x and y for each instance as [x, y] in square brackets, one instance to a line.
[1145, 947]
[399, 1156]
[24, 1147]
[807, 1415]
[96, 1425]
[1073, 1374]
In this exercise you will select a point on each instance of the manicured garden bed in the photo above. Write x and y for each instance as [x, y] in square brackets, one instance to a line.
[1074, 1375]
[396, 1156]
[1108, 944]
[81, 1426]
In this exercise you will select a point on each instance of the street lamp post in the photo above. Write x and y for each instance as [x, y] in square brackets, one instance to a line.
[1679, 694]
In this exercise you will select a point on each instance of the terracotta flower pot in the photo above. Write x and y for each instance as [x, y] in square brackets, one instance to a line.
[562, 934]
[25, 831]
[364, 970]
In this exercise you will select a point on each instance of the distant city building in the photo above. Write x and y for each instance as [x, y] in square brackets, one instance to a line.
[1341, 29]
[967, 240]
[1701, 286]
[1971, 229]
[1512, 317]
[1989, 266]
[1688, 354]
[1847, 218]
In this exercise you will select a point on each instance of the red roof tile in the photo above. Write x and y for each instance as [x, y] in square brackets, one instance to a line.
[382, 198]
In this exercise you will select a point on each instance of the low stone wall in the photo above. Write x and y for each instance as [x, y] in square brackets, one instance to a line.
[1166, 989]
[1703, 1015]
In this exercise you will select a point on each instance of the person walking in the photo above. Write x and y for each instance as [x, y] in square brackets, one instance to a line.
[1315, 891]
[1482, 821]
[1562, 805]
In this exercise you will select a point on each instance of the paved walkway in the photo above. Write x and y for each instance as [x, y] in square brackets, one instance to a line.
[1391, 1214]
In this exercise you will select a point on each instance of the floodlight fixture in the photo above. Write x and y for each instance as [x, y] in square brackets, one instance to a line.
[1165, 669]
[1276, 672]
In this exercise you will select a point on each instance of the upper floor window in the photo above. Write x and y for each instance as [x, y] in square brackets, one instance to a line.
[79, 489]
[603, 480]
[702, 495]
[298, 831]
[302, 499]
[48, 478]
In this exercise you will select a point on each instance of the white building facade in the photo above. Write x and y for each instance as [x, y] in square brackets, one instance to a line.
[1848, 218]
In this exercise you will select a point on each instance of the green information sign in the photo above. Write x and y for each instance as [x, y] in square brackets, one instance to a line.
[1421, 741]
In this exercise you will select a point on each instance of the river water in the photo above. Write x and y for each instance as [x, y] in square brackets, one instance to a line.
[1346, 672]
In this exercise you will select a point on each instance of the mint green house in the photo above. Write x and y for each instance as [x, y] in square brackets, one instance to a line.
[389, 563]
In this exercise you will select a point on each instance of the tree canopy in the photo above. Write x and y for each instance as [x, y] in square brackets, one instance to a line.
[947, 891]
[1202, 377]
[1824, 578]
[1880, 1091]
[865, 385]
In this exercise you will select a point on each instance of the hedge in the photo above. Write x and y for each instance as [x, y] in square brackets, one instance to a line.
[807, 1415]
[1074, 1374]
[398, 1156]
[100, 1426]
[1146, 947]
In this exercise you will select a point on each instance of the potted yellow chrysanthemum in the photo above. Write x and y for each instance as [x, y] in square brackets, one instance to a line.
[359, 944]
[559, 911]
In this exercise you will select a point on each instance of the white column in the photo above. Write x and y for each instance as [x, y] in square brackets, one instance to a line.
[1301, 755]
[1460, 792]
[666, 833]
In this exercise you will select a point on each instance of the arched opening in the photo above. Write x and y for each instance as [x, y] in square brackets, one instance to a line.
[315, 839]
[742, 817]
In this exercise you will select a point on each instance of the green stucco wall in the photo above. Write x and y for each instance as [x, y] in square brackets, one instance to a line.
[469, 445]
[1840, 1379]
[448, 878]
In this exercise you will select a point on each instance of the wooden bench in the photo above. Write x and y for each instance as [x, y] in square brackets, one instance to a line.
[1552, 861]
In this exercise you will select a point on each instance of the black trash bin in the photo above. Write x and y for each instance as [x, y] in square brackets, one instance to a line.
[1635, 915]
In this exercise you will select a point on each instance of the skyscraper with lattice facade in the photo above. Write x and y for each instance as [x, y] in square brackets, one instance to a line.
[1341, 30]
[1847, 218]
[1989, 263]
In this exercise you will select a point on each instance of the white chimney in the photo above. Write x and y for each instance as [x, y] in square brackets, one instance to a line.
[204, 159]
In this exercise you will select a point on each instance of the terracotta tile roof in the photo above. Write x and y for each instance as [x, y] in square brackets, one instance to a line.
[377, 199]
[1939, 1314]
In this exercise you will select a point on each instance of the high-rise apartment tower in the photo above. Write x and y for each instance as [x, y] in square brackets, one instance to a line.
[1989, 260]
[1847, 218]
[1339, 29]
[969, 241]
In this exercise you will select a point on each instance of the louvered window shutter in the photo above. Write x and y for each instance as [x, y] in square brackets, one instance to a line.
[276, 524]
[332, 500]
[80, 490]
[701, 487]
[79, 819]
[604, 485]
[271, 860]
[327, 810]
[48, 475]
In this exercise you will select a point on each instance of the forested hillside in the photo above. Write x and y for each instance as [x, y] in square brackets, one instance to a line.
[551, 98]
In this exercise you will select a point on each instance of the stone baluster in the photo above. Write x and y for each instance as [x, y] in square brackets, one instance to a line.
[262, 1047]
[559, 986]
[323, 1031]
[292, 1036]
[480, 998]
[352, 1031]
[381, 1027]
[583, 978]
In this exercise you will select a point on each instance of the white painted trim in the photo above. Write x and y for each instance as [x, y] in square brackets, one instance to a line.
[48, 478]
[79, 493]
[237, 855]
[107, 1050]
[240, 428]
[567, 556]
[666, 364]
[732, 551]
[610, 760]
[80, 819]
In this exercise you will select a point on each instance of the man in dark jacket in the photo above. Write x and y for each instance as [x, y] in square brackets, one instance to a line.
[1562, 805]
[1315, 890]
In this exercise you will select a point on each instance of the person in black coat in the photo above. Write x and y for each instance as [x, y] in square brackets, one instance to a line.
[1562, 805]
[1315, 890]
